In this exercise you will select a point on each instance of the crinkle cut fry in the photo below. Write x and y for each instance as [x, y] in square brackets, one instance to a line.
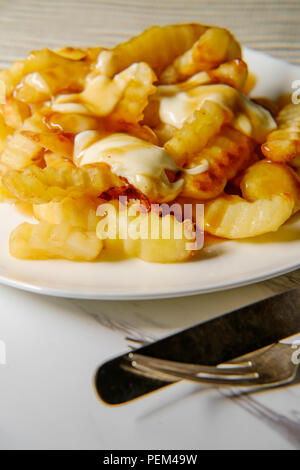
[228, 154]
[47, 241]
[234, 217]
[158, 46]
[215, 46]
[283, 144]
[37, 186]
[196, 132]
[42, 60]
[266, 178]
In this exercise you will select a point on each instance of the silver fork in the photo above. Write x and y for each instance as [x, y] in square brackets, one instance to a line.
[268, 367]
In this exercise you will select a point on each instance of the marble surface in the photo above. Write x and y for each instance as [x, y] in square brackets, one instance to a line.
[53, 346]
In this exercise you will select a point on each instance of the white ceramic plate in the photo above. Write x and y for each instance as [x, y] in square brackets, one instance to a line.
[219, 267]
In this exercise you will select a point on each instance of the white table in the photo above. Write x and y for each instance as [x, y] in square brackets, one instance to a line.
[53, 346]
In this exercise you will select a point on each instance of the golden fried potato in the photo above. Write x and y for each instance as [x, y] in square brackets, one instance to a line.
[296, 163]
[251, 81]
[165, 132]
[76, 212]
[135, 129]
[57, 143]
[73, 53]
[34, 87]
[15, 112]
[89, 54]
[284, 100]
[233, 73]
[215, 46]
[44, 73]
[4, 132]
[159, 251]
[19, 151]
[228, 154]
[53, 160]
[148, 236]
[125, 96]
[233, 217]
[72, 123]
[283, 144]
[196, 132]
[46, 241]
[158, 46]
[177, 103]
[38, 186]
[265, 178]
[151, 112]
[269, 104]
[4, 194]
[130, 108]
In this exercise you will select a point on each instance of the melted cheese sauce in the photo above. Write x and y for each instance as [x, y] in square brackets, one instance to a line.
[178, 104]
[143, 164]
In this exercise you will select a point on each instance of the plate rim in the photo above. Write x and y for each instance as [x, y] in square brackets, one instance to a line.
[69, 294]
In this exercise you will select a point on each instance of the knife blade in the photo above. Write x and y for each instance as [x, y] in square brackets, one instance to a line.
[210, 343]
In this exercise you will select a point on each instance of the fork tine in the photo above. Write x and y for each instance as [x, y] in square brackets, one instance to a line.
[173, 371]
[267, 367]
[171, 375]
[242, 368]
[157, 375]
[235, 365]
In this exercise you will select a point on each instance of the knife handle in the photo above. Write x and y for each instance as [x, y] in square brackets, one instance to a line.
[210, 343]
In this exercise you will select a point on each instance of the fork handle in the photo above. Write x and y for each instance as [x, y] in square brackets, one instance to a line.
[211, 343]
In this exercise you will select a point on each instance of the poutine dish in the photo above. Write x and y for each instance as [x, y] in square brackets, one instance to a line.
[163, 119]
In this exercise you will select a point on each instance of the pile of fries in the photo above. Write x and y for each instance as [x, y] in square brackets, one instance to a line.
[180, 88]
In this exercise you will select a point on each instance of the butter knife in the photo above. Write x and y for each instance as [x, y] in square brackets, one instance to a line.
[210, 343]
